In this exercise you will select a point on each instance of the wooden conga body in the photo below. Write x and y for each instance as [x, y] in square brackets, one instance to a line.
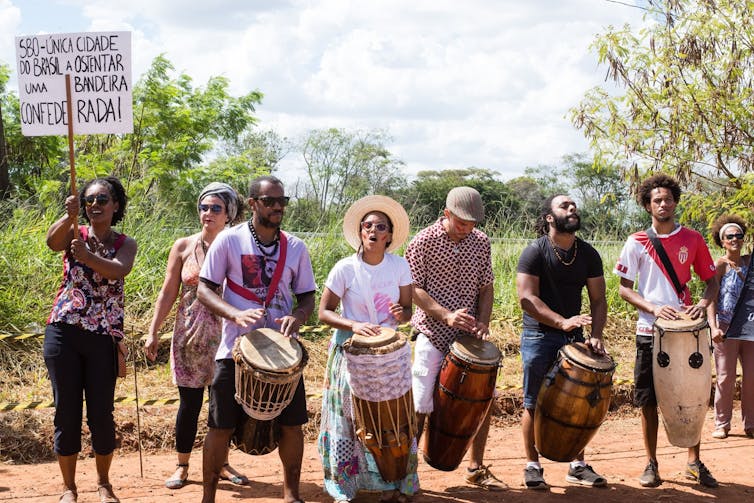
[379, 373]
[463, 395]
[572, 402]
[255, 436]
[682, 373]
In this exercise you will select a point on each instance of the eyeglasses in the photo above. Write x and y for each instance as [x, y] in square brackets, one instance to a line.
[379, 227]
[738, 235]
[214, 208]
[101, 199]
[269, 202]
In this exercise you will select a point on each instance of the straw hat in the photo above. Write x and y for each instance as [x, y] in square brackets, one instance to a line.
[394, 211]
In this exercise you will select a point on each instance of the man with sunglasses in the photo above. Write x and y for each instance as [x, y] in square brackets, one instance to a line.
[451, 267]
[240, 259]
[658, 297]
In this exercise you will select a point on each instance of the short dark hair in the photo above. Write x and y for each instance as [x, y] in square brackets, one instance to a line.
[721, 221]
[661, 180]
[256, 184]
[117, 192]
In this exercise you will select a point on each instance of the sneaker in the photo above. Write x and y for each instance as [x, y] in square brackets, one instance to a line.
[651, 476]
[533, 478]
[484, 478]
[697, 471]
[720, 433]
[585, 476]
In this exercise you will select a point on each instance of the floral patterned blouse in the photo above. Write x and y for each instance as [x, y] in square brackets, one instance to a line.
[88, 300]
[197, 331]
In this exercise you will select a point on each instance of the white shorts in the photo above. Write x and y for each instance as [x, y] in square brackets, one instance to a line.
[424, 372]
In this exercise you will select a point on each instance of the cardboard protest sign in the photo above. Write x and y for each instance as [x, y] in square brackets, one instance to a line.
[99, 65]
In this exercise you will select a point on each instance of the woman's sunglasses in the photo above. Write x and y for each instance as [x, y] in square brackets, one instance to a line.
[738, 235]
[379, 227]
[101, 199]
[214, 208]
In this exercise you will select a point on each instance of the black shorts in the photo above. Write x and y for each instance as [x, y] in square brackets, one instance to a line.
[644, 388]
[225, 413]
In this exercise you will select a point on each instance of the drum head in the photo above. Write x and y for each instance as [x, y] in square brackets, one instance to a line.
[683, 324]
[387, 336]
[580, 354]
[268, 349]
[476, 350]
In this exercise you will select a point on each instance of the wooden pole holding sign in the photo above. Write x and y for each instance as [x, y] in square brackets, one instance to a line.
[71, 156]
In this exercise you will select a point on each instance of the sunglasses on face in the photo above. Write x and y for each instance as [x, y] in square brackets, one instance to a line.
[269, 202]
[738, 235]
[101, 199]
[214, 208]
[379, 227]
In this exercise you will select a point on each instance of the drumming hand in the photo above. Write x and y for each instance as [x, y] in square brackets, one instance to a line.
[695, 311]
[596, 345]
[577, 321]
[367, 329]
[461, 320]
[289, 325]
[397, 311]
[248, 317]
[482, 331]
[665, 312]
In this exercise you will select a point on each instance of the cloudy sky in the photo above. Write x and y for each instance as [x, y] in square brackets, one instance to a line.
[485, 83]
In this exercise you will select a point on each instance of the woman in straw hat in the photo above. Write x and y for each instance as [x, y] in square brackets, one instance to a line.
[373, 288]
[196, 334]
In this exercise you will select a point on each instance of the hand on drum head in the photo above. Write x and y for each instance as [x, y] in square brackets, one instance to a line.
[248, 317]
[482, 331]
[596, 345]
[569, 324]
[461, 320]
[695, 311]
[289, 325]
[366, 329]
[665, 312]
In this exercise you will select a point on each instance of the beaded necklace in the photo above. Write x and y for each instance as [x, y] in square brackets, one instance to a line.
[261, 246]
[560, 259]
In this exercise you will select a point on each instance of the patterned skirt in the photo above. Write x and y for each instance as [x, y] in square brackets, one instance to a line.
[349, 467]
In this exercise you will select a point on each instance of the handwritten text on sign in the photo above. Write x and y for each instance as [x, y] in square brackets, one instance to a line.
[99, 64]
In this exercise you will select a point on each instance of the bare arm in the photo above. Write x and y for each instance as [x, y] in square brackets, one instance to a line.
[484, 311]
[167, 296]
[459, 319]
[710, 293]
[527, 287]
[327, 314]
[117, 267]
[217, 305]
[598, 308]
[403, 309]
[290, 324]
[627, 293]
[60, 233]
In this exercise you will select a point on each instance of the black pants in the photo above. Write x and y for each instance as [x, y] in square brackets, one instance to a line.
[186, 420]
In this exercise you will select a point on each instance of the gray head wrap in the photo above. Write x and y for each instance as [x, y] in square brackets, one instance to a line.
[224, 192]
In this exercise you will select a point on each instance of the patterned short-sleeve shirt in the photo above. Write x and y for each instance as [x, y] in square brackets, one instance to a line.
[451, 273]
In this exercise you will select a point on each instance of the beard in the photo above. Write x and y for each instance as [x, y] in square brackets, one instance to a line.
[564, 224]
[266, 222]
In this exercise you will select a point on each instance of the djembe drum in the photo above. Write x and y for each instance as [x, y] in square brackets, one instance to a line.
[463, 395]
[572, 402]
[268, 369]
[379, 371]
[682, 373]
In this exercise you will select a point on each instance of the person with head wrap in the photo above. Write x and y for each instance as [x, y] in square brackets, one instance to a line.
[197, 332]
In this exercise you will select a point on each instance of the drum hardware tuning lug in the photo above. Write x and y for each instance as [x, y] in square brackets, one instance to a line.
[663, 359]
[594, 397]
[463, 377]
[695, 360]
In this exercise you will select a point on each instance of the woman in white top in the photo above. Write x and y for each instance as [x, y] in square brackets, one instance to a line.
[374, 289]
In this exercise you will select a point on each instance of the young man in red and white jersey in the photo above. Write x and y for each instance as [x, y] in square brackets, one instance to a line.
[657, 297]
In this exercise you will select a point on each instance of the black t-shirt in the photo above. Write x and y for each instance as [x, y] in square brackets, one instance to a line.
[538, 259]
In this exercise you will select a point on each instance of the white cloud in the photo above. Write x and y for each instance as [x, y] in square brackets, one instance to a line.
[481, 83]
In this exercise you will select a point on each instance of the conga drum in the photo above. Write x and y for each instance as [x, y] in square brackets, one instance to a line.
[379, 373]
[463, 395]
[682, 373]
[572, 402]
[268, 368]
[255, 436]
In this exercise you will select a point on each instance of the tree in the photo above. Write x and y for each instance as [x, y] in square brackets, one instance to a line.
[687, 107]
[343, 166]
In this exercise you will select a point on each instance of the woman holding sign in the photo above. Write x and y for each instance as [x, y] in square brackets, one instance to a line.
[86, 326]
[729, 232]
